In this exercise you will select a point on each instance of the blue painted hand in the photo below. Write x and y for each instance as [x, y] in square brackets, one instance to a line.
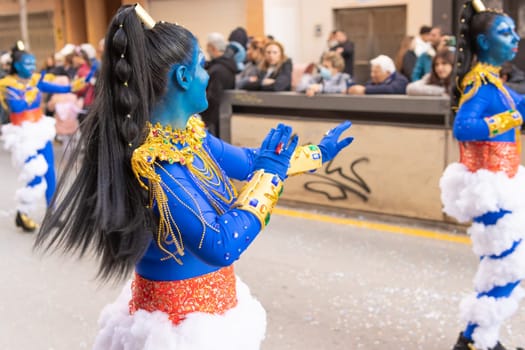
[330, 145]
[276, 151]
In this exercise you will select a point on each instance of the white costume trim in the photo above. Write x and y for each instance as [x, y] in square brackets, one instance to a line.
[23, 141]
[240, 328]
[467, 195]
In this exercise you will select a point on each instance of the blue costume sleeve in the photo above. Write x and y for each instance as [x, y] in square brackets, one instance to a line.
[237, 162]
[217, 240]
[52, 88]
[469, 124]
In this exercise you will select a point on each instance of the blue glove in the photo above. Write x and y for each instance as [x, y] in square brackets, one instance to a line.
[276, 151]
[330, 146]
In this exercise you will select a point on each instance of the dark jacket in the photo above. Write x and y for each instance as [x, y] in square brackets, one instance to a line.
[395, 84]
[516, 80]
[222, 77]
[409, 62]
[283, 79]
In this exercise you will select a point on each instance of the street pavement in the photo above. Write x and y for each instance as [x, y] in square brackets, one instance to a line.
[325, 281]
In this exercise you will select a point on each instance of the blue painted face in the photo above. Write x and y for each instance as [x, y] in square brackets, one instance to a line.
[501, 42]
[26, 66]
[185, 95]
[197, 88]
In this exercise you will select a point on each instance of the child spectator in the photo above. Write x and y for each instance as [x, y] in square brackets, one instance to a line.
[330, 79]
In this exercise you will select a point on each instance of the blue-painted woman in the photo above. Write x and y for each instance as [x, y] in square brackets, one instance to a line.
[29, 133]
[153, 195]
[487, 186]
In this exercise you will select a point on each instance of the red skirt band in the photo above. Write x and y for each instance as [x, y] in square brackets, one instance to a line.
[492, 156]
[32, 115]
[213, 293]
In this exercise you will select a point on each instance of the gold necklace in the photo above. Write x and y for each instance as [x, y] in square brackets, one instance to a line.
[164, 144]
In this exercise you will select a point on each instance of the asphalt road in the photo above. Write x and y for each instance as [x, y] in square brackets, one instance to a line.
[325, 283]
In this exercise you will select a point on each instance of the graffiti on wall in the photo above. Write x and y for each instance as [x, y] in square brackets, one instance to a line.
[337, 185]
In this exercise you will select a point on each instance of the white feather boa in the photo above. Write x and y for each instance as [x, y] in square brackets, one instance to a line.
[467, 195]
[23, 141]
[240, 328]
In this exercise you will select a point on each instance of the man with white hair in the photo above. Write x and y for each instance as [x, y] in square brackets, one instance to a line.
[222, 69]
[383, 79]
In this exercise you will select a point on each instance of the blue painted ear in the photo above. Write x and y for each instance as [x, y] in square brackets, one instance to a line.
[183, 77]
[483, 42]
[18, 66]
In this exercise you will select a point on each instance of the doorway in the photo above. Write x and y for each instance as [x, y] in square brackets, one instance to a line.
[374, 31]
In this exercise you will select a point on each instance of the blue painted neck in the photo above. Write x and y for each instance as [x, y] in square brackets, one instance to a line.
[171, 110]
[485, 57]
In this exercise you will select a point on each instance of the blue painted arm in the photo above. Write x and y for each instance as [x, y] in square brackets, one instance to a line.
[469, 124]
[50, 87]
[237, 162]
[217, 240]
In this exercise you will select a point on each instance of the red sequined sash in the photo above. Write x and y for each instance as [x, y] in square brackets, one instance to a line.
[32, 115]
[212, 293]
[493, 156]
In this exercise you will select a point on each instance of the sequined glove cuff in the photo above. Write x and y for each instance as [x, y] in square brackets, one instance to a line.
[503, 122]
[260, 195]
[305, 158]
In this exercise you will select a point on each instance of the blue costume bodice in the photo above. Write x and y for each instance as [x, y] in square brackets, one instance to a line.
[17, 97]
[199, 196]
[485, 97]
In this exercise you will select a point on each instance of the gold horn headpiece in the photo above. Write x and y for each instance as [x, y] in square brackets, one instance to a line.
[20, 45]
[479, 6]
[144, 16]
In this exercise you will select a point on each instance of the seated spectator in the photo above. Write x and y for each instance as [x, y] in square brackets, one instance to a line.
[406, 57]
[437, 82]
[254, 56]
[275, 71]
[330, 78]
[513, 77]
[383, 79]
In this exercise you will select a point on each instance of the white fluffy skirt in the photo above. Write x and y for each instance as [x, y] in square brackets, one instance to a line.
[23, 141]
[240, 328]
[467, 195]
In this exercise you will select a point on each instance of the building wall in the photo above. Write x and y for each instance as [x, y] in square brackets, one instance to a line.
[201, 16]
[302, 25]
[313, 15]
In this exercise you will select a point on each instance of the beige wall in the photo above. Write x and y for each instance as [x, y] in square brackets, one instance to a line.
[12, 7]
[378, 172]
[291, 21]
[314, 12]
[202, 16]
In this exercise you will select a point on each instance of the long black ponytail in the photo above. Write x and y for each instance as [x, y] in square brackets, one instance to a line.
[471, 24]
[103, 208]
